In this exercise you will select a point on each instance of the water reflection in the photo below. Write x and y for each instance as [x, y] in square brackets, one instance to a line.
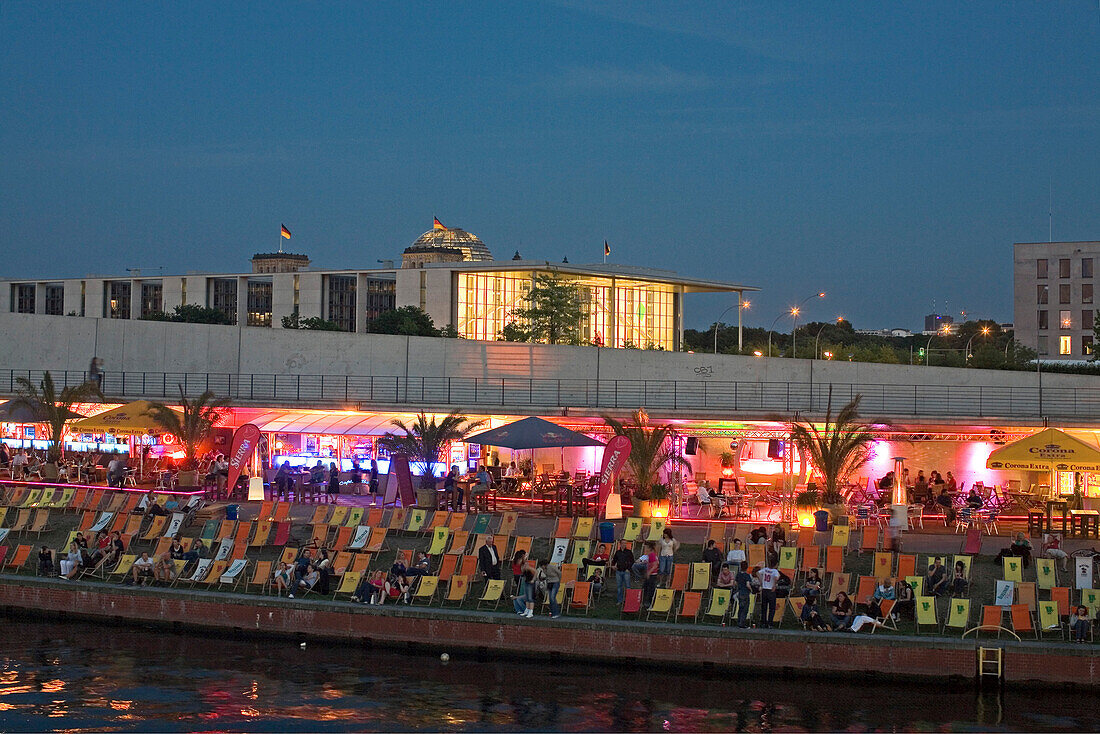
[69, 677]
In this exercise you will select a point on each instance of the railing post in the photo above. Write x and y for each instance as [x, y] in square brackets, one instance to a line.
[298, 390]
[252, 387]
[675, 383]
[345, 388]
[645, 392]
[559, 392]
[502, 391]
[704, 393]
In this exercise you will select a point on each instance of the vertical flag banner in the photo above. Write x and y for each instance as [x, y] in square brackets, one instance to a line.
[615, 454]
[245, 439]
[1083, 572]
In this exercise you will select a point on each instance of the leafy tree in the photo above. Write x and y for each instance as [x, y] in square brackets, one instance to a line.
[651, 450]
[190, 313]
[554, 311]
[193, 424]
[291, 321]
[53, 408]
[512, 332]
[837, 449]
[424, 439]
[316, 323]
[450, 331]
[406, 321]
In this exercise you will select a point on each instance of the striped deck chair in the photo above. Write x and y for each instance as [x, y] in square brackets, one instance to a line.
[339, 515]
[581, 549]
[232, 575]
[354, 518]
[398, 517]
[656, 528]
[457, 521]
[719, 606]
[349, 583]
[155, 529]
[343, 537]
[958, 615]
[459, 540]
[662, 604]
[582, 529]
[834, 559]
[562, 528]
[1050, 621]
[700, 576]
[320, 515]
[374, 517]
[440, 536]
[282, 513]
[481, 524]
[425, 590]
[22, 553]
[282, 534]
[377, 542]
[263, 532]
[632, 530]
[319, 536]
[580, 598]
[360, 535]
[883, 565]
[456, 590]
[226, 529]
[494, 589]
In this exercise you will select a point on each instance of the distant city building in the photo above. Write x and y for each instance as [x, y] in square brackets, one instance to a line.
[934, 322]
[447, 272]
[891, 333]
[1053, 310]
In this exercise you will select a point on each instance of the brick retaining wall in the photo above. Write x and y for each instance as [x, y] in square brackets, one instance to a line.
[579, 638]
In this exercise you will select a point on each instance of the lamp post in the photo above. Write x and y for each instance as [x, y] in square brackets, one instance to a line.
[927, 347]
[983, 332]
[794, 321]
[770, 328]
[740, 305]
[818, 337]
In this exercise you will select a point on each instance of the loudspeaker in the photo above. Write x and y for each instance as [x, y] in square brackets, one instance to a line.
[691, 446]
[776, 448]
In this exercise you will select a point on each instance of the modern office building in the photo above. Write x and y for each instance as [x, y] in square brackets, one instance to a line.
[1054, 309]
[448, 272]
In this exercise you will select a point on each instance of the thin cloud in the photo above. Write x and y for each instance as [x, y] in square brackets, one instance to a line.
[657, 79]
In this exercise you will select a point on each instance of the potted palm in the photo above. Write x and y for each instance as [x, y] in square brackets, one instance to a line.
[52, 409]
[193, 424]
[651, 450]
[423, 442]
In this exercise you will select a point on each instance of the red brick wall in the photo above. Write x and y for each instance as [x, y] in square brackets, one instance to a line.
[450, 630]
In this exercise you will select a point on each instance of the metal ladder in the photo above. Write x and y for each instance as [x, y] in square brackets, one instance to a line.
[990, 664]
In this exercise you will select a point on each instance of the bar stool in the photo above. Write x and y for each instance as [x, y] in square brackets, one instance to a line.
[1062, 507]
[1034, 523]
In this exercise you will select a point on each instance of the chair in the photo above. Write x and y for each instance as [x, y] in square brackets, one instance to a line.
[349, 584]
[885, 617]
[680, 576]
[438, 546]
[456, 590]
[22, 553]
[125, 563]
[719, 605]
[1050, 620]
[958, 616]
[907, 565]
[883, 565]
[700, 576]
[459, 540]
[1060, 596]
[416, 518]
[1045, 573]
[447, 567]
[865, 590]
[991, 619]
[656, 529]
[377, 542]
[1025, 594]
[869, 539]
[834, 559]
[261, 575]
[494, 588]
[662, 603]
[840, 582]
[1021, 620]
[689, 606]
[232, 575]
[916, 516]
[581, 597]
[632, 603]
[425, 590]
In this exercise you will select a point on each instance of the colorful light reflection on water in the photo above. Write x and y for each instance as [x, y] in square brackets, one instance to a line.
[73, 678]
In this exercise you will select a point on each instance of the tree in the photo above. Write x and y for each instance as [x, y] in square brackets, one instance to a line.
[424, 439]
[193, 424]
[651, 450]
[311, 323]
[512, 332]
[191, 313]
[405, 321]
[554, 310]
[450, 331]
[52, 408]
[837, 449]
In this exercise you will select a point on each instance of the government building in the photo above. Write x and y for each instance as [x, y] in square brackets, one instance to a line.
[1054, 302]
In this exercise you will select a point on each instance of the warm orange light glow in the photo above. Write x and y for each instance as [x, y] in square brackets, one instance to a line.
[828, 355]
[806, 521]
[795, 311]
[985, 329]
[758, 353]
[727, 471]
[660, 512]
[746, 304]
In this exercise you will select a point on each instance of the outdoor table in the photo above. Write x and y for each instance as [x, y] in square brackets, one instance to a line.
[1085, 522]
[1034, 523]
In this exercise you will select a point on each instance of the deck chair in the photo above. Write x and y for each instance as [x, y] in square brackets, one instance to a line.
[992, 616]
[885, 617]
[467, 566]
[209, 531]
[354, 517]
[841, 536]
[4, 535]
[1013, 568]
[342, 537]
[80, 499]
[805, 538]
[662, 604]
[1091, 599]
[282, 534]
[457, 521]
[225, 550]
[508, 523]
[132, 525]
[226, 529]
[1050, 620]
[1060, 595]
[869, 540]
[339, 514]
[780, 612]
[681, 574]
[797, 604]
[32, 498]
[834, 559]
[559, 548]
[925, 613]
[456, 590]
[865, 590]
[491, 594]
[122, 568]
[481, 524]
[261, 575]
[1045, 573]
[563, 527]
[581, 549]
[700, 576]
[883, 565]
[319, 536]
[447, 567]
[87, 519]
[755, 555]
[22, 521]
[243, 532]
[359, 537]
[349, 583]
[263, 532]
[716, 531]
[398, 517]
[214, 572]
[232, 575]
[656, 528]
[155, 529]
[811, 558]
[416, 520]
[267, 510]
[583, 528]
[689, 606]
[282, 512]
[438, 546]
[788, 559]
[288, 556]
[1025, 594]
[22, 553]
[175, 524]
[719, 606]
[377, 542]
[907, 565]
[320, 515]
[1021, 620]
[580, 598]
[437, 519]
[162, 546]
[840, 582]
[632, 603]
[41, 523]
[632, 530]
[958, 616]
[459, 540]
[360, 562]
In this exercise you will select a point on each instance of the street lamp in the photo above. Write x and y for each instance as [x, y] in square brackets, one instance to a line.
[794, 322]
[740, 305]
[945, 330]
[816, 338]
[770, 328]
[983, 332]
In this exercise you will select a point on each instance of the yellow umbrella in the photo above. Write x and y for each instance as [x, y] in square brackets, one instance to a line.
[1047, 450]
[131, 418]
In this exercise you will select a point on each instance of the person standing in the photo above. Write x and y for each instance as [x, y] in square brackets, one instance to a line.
[622, 562]
[667, 547]
[551, 574]
[769, 578]
[744, 588]
[652, 572]
[488, 559]
[373, 479]
[333, 481]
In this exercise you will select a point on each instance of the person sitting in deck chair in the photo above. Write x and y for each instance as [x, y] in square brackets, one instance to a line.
[70, 565]
[861, 621]
[308, 581]
[164, 570]
[45, 561]
[1052, 548]
[282, 579]
[143, 569]
[935, 579]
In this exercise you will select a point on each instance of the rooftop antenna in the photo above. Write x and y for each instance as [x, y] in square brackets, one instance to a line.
[1050, 211]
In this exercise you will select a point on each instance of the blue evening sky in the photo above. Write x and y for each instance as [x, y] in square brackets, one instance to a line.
[887, 153]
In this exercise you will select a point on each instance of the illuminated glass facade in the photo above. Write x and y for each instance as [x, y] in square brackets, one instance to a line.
[619, 312]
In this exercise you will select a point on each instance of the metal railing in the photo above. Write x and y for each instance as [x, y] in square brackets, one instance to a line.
[949, 401]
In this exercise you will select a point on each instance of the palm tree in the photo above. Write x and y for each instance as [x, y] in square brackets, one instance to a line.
[424, 439]
[838, 448]
[192, 424]
[53, 408]
[651, 450]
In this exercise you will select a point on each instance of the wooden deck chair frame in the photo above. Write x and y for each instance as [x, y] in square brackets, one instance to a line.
[349, 583]
[719, 606]
[661, 604]
[580, 597]
[1021, 620]
[886, 615]
[457, 588]
[492, 593]
[958, 616]
[690, 602]
[261, 575]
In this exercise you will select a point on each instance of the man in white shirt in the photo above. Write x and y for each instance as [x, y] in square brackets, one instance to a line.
[769, 579]
[19, 463]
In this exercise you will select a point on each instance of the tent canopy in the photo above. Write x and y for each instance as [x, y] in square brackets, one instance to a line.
[16, 411]
[130, 418]
[1047, 450]
[532, 433]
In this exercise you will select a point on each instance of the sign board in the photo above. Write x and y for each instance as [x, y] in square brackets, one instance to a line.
[245, 440]
[615, 454]
[403, 487]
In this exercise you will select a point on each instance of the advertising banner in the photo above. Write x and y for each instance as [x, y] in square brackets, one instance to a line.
[615, 454]
[245, 440]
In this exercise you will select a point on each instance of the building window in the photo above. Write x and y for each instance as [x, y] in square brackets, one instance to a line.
[1042, 319]
[1063, 267]
[1086, 346]
[223, 297]
[341, 301]
[1086, 293]
[1086, 319]
[1042, 344]
[55, 300]
[22, 298]
[118, 299]
[152, 299]
[1065, 321]
[1064, 293]
[1086, 267]
[1041, 268]
[259, 303]
[381, 296]
[1042, 293]
[1065, 345]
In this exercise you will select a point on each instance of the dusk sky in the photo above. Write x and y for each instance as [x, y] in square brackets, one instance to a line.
[886, 153]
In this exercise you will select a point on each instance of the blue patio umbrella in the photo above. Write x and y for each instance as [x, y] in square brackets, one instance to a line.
[532, 433]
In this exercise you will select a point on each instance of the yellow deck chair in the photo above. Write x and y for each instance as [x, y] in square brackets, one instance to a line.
[416, 520]
[440, 536]
[632, 530]
[788, 558]
[926, 612]
[1013, 568]
[288, 556]
[883, 565]
[155, 529]
[719, 605]
[339, 514]
[958, 616]
[662, 604]
[494, 588]
[263, 532]
[583, 528]
[841, 535]
[456, 590]
[1045, 573]
[425, 590]
[1089, 598]
[840, 582]
[780, 611]
[349, 582]
[581, 550]
[125, 563]
[656, 527]
[700, 576]
[1049, 619]
[32, 498]
[354, 517]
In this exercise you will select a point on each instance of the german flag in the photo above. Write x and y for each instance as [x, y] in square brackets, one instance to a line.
[606, 248]
[436, 224]
[285, 232]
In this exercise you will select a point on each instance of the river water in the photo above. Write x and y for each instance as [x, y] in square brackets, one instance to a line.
[75, 677]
